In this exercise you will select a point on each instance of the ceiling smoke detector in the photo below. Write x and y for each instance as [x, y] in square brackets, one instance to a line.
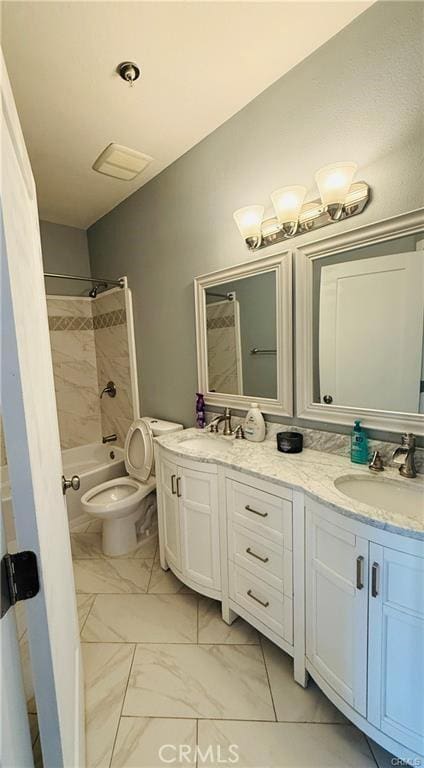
[121, 162]
[129, 72]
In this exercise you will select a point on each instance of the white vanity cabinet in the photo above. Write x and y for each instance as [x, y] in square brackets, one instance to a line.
[365, 624]
[189, 523]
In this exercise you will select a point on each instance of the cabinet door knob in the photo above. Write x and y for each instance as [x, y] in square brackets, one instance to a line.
[179, 487]
[375, 585]
[172, 483]
[359, 572]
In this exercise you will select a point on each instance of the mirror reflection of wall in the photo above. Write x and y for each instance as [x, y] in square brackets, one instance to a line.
[241, 318]
[368, 309]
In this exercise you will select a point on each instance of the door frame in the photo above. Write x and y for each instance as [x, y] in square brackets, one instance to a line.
[34, 454]
[410, 223]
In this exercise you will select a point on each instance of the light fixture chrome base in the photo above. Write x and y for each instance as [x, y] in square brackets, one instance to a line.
[313, 216]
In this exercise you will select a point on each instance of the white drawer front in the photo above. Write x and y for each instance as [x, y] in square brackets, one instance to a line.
[266, 603]
[260, 511]
[261, 557]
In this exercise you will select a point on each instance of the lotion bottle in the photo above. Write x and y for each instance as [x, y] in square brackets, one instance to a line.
[254, 425]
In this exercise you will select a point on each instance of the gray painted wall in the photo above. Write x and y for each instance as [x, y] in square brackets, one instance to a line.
[358, 97]
[65, 251]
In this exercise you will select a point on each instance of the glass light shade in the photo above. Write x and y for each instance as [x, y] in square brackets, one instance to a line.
[249, 221]
[334, 182]
[287, 203]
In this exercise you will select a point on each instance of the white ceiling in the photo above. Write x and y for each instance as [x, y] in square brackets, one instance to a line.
[201, 62]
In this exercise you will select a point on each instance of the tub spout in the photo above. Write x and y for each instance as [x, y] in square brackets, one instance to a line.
[109, 438]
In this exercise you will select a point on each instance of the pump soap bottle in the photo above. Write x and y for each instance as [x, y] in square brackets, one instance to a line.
[359, 444]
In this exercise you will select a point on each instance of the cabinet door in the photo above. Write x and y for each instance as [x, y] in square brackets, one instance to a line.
[396, 646]
[336, 608]
[170, 514]
[200, 527]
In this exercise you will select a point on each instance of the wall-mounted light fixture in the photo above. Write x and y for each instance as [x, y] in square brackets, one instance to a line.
[339, 199]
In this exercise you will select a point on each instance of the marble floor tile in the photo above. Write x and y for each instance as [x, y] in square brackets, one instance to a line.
[223, 681]
[292, 702]
[112, 575]
[84, 603]
[165, 583]
[106, 670]
[89, 545]
[284, 745]
[212, 629]
[140, 740]
[382, 757]
[142, 619]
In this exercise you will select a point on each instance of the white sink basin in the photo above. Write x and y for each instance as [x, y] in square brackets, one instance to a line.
[393, 496]
[215, 445]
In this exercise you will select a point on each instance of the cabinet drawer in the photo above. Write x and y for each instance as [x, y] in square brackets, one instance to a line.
[261, 557]
[266, 603]
[260, 511]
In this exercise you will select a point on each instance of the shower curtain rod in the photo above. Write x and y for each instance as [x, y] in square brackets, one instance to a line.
[120, 282]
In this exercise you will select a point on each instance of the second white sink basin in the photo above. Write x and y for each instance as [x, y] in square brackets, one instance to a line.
[210, 444]
[391, 495]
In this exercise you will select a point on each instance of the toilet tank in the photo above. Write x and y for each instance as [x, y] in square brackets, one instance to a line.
[161, 427]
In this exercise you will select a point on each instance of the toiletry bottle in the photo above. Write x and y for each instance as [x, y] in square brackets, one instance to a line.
[254, 425]
[200, 410]
[359, 444]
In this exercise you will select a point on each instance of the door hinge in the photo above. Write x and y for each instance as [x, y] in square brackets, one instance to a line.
[19, 579]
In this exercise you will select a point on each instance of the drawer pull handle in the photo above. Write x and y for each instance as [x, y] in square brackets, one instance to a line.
[375, 572]
[172, 484]
[359, 572]
[258, 557]
[255, 511]
[179, 494]
[250, 593]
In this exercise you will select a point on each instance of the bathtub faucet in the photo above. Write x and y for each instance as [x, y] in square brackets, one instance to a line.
[109, 439]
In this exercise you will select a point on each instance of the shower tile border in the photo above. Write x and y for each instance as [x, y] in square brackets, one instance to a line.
[105, 320]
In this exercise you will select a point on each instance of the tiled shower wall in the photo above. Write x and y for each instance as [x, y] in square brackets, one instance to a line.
[89, 341]
[75, 370]
[113, 362]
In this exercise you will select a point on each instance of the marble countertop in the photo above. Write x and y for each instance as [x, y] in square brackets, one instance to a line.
[313, 472]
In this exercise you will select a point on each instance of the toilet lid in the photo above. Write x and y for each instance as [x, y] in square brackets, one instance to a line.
[139, 450]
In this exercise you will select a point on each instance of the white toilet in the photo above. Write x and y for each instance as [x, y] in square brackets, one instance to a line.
[118, 502]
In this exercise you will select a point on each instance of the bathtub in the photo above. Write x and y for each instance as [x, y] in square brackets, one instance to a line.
[94, 464]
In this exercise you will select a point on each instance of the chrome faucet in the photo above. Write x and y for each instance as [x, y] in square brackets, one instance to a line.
[405, 455]
[228, 430]
[109, 438]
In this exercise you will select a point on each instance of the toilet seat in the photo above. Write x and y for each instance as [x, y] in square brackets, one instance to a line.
[116, 498]
[138, 450]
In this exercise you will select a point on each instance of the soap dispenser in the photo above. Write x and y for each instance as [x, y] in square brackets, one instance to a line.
[359, 444]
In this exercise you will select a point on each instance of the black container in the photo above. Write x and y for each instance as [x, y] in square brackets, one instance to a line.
[290, 442]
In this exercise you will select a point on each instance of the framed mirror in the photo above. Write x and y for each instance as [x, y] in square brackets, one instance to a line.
[360, 326]
[244, 335]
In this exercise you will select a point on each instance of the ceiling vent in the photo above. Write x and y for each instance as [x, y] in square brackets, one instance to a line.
[121, 162]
